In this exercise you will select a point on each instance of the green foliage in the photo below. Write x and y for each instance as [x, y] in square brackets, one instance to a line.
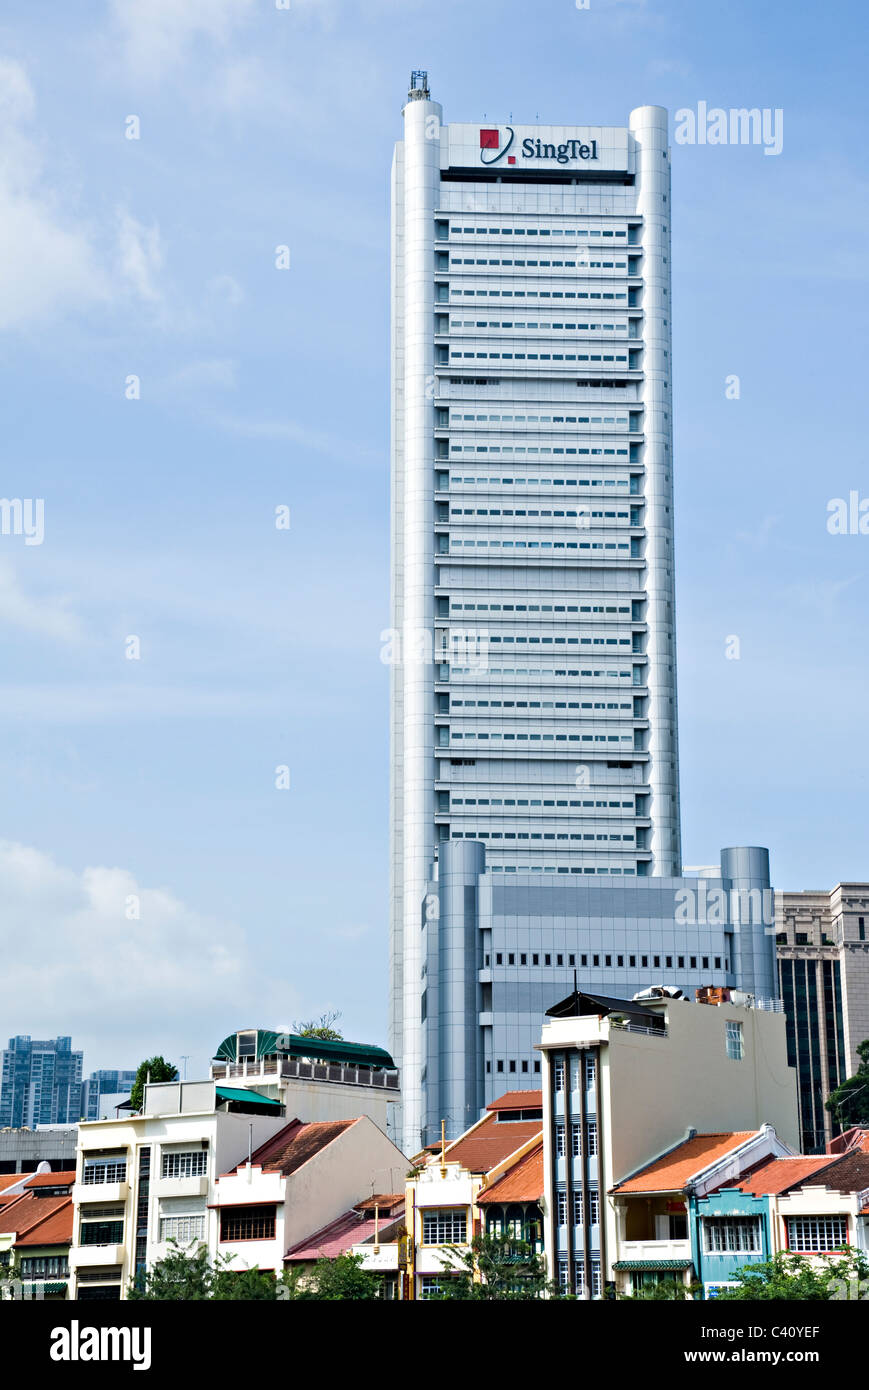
[189, 1275]
[672, 1290]
[789, 1276]
[496, 1267]
[849, 1103]
[341, 1278]
[155, 1068]
[320, 1027]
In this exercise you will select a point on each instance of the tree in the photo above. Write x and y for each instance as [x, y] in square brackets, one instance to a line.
[189, 1275]
[320, 1027]
[331, 1280]
[155, 1069]
[496, 1267]
[789, 1276]
[849, 1103]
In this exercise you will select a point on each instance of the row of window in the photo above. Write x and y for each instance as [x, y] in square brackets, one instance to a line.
[512, 801]
[536, 323]
[533, 231]
[504, 1065]
[532, 835]
[538, 357]
[454, 479]
[178, 1164]
[552, 869]
[543, 511]
[586, 960]
[568, 265]
[577, 1071]
[579, 1277]
[534, 294]
[535, 608]
[451, 543]
[576, 1139]
[454, 736]
[546, 672]
[593, 1207]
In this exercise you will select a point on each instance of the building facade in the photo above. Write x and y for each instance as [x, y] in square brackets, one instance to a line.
[822, 944]
[103, 1090]
[546, 432]
[497, 948]
[620, 1078]
[40, 1082]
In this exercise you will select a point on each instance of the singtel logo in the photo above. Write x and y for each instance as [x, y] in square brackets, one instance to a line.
[492, 151]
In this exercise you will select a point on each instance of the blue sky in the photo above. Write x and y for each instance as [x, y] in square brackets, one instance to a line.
[154, 779]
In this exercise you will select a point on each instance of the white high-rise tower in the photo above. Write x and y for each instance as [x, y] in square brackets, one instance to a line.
[534, 671]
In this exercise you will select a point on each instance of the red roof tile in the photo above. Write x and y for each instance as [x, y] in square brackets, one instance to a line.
[523, 1182]
[491, 1141]
[56, 1229]
[671, 1172]
[31, 1214]
[346, 1230]
[518, 1100]
[10, 1179]
[64, 1179]
[294, 1145]
[778, 1174]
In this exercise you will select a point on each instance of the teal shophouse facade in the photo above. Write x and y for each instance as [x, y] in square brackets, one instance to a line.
[729, 1229]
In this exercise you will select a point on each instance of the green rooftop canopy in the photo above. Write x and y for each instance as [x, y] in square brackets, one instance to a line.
[248, 1097]
[271, 1044]
[651, 1264]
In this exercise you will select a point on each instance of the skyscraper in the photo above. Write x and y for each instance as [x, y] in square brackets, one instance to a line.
[40, 1083]
[533, 642]
[102, 1091]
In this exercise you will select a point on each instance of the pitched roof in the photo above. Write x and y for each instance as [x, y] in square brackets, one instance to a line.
[490, 1141]
[346, 1230]
[64, 1179]
[32, 1214]
[848, 1174]
[10, 1179]
[673, 1170]
[517, 1100]
[523, 1182]
[778, 1174]
[55, 1229]
[294, 1145]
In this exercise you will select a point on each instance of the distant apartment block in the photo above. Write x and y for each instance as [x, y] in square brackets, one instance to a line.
[103, 1090]
[40, 1083]
[822, 945]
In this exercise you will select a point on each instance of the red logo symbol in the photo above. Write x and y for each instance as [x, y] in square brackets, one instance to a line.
[490, 139]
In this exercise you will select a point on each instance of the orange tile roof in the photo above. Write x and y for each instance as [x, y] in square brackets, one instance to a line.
[64, 1179]
[518, 1100]
[30, 1214]
[55, 1229]
[490, 1142]
[671, 1172]
[523, 1182]
[10, 1179]
[777, 1174]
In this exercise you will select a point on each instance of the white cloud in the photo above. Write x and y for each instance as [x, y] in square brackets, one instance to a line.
[156, 36]
[141, 256]
[42, 617]
[75, 961]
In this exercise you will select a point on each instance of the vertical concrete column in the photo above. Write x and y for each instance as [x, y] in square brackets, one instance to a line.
[648, 126]
[421, 178]
[459, 1099]
[745, 876]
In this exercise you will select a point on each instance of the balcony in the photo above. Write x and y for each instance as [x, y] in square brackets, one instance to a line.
[644, 1250]
[105, 1193]
[87, 1256]
[289, 1067]
[180, 1187]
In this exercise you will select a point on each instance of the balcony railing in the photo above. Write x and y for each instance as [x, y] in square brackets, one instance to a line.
[280, 1067]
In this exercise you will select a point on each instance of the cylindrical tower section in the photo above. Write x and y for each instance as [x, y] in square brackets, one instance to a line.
[458, 967]
[648, 126]
[421, 179]
[745, 877]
